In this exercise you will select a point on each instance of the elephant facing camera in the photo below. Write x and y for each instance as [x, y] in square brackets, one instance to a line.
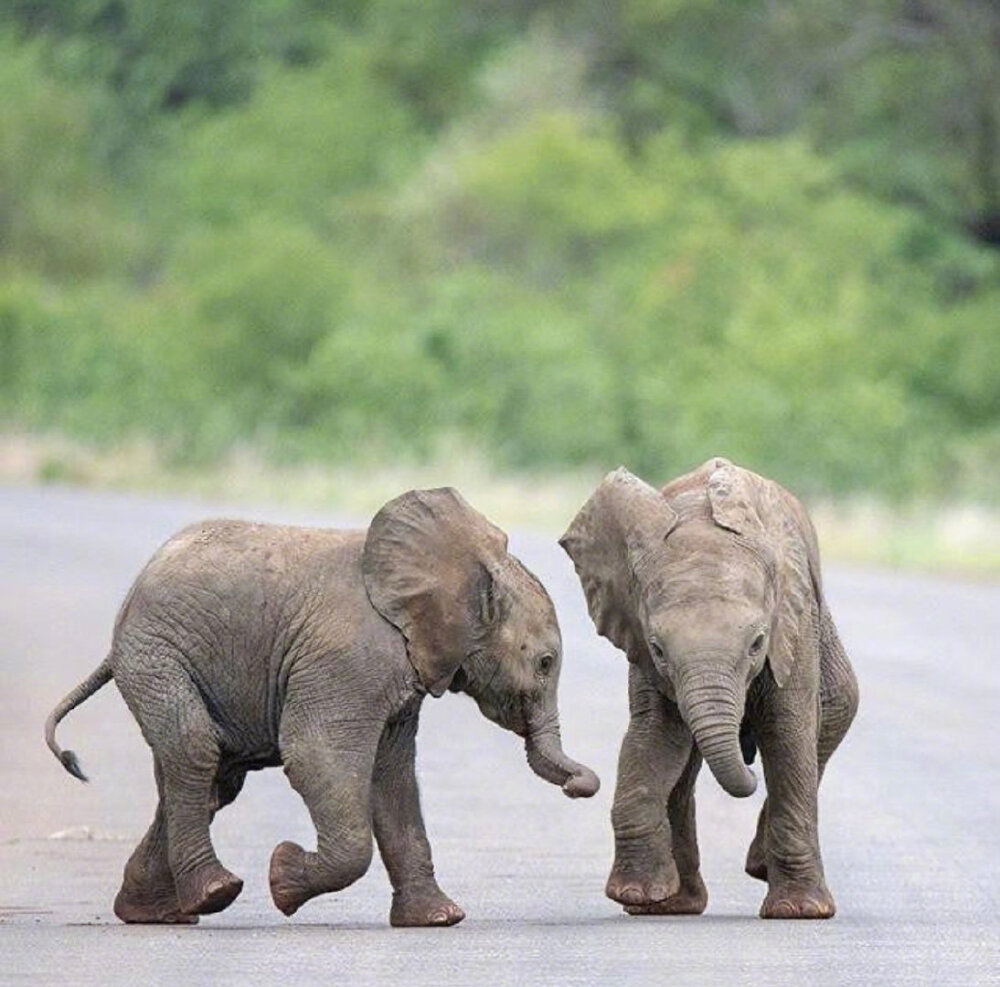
[711, 586]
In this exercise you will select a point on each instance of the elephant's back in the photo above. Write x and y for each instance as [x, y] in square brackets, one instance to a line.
[244, 584]
[236, 557]
[229, 599]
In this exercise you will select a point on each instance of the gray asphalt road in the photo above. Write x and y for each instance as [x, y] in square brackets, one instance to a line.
[910, 808]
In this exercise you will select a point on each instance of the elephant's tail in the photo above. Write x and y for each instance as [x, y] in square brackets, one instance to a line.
[99, 677]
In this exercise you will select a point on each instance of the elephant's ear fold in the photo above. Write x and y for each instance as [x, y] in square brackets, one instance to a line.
[730, 496]
[609, 540]
[427, 564]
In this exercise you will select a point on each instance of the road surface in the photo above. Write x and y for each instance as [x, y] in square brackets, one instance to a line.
[910, 807]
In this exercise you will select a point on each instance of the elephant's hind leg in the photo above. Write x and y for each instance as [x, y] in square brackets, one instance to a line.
[838, 693]
[148, 893]
[180, 731]
[756, 862]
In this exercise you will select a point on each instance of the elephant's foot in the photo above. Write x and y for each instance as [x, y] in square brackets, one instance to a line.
[632, 885]
[207, 889]
[424, 908]
[290, 887]
[691, 899]
[756, 862]
[797, 901]
[156, 905]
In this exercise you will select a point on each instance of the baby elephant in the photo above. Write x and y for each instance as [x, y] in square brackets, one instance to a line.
[712, 588]
[243, 646]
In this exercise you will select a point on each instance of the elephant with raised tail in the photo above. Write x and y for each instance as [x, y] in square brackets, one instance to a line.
[243, 646]
[711, 586]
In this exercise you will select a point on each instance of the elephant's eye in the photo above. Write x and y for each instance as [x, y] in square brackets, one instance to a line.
[655, 650]
[758, 644]
[545, 664]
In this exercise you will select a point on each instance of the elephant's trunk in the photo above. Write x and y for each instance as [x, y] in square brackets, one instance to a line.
[547, 759]
[712, 707]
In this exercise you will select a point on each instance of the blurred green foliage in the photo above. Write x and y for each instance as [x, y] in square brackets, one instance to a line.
[584, 233]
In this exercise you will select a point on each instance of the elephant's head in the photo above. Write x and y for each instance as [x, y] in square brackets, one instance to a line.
[701, 584]
[474, 618]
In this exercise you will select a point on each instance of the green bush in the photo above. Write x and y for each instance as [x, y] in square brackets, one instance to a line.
[59, 211]
[362, 233]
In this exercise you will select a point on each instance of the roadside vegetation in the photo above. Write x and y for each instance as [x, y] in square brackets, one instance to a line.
[554, 236]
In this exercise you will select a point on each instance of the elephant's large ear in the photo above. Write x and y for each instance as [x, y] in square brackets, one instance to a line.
[428, 562]
[610, 538]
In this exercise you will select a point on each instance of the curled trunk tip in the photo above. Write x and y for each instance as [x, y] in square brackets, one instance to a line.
[741, 787]
[583, 785]
[547, 759]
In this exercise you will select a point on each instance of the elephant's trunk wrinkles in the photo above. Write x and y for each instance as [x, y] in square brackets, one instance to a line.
[713, 710]
[547, 760]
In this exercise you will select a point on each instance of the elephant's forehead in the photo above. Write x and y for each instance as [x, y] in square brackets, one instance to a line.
[535, 618]
[527, 633]
[530, 615]
[709, 565]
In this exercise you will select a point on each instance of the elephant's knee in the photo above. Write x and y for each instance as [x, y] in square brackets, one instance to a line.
[632, 821]
[346, 858]
[356, 861]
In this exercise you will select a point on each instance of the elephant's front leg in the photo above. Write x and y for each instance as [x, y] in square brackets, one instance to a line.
[838, 706]
[692, 896]
[399, 830]
[787, 737]
[330, 766]
[653, 755]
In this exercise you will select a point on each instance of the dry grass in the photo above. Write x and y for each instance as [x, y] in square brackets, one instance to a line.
[932, 538]
[541, 502]
[956, 538]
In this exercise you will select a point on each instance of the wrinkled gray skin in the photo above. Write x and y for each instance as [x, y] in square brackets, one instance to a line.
[242, 646]
[712, 588]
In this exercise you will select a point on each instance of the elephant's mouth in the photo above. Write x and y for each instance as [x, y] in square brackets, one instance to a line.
[511, 714]
[536, 722]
